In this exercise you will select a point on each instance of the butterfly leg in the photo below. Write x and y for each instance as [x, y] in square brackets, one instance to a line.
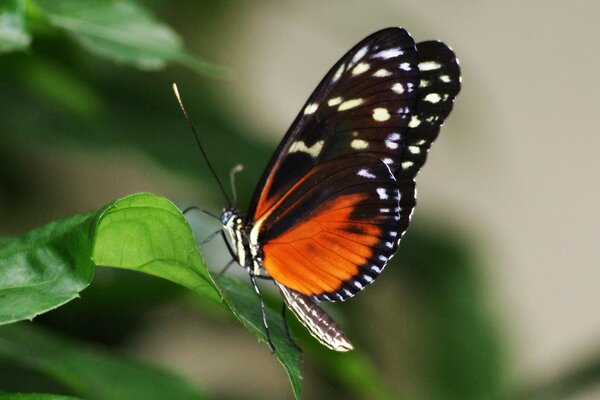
[287, 328]
[220, 274]
[210, 237]
[263, 312]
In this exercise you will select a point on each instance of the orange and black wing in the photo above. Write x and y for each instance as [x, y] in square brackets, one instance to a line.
[363, 105]
[332, 233]
[323, 228]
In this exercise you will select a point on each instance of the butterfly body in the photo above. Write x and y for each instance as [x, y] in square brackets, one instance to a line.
[339, 192]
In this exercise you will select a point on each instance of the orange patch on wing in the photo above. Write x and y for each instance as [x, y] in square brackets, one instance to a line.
[319, 254]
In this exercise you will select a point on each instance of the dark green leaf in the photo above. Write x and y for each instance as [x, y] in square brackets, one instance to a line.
[13, 35]
[122, 31]
[245, 305]
[45, 268]
[34, 396]
[90, 373]
[142, 232]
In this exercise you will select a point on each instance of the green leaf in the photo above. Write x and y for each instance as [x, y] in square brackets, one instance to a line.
[45, 268]
[50, 265]
[143, 232]
[147, 233]
[34, 396]
[88, 372]
[13, 35]
[124, 32]
[245, 305]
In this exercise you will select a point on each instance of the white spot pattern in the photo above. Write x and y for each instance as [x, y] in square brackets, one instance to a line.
[445, 78]
[414, 122]
[360, 68]
[414, 149]
[398, 88]
[393, 136]
[388, 53]
[360, 54]
[359, 144]
[405, 66]
[382, 194]
[407, 164]
[365, 173]
[381, 114]
[382, 73]
[339, 73]
[300, 146]
[391, 145]
[334, 102]
[348, 104]
[432, 98]
[311, 108]
[429, 65]
[367, 278]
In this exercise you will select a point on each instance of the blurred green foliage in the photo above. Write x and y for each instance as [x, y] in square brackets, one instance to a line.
[94, 77]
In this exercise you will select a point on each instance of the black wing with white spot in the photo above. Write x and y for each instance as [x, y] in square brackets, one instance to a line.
[439, 84]
[362, 106]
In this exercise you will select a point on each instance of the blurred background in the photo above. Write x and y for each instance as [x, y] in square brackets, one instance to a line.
[494, 291]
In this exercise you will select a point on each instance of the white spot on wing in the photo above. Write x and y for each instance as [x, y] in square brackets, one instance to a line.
[445, 78]
[432, 98]
[424, 83]
[405, 66]
[393, 136]
[388, 53]
[407, 164]
[334, 102]
[360, 68]
[300, 146]
[429, 65]
[398, 88]
[357, 284]
[367, 278]
[414, 149]
[391, 145]
[359, 144]
[383, 258]
[348, 104]
[414, 122]
[382, 73]
[388, 161]
[339, 73]
[375, 268]
[365, 173]
[311, 108]
[382, 194]
[360, 54]
[381, 114]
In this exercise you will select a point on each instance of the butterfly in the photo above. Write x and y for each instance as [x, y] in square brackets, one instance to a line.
[338, 194]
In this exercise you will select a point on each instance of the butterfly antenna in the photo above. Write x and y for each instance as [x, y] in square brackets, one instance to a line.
[189, 122]
[234, 170]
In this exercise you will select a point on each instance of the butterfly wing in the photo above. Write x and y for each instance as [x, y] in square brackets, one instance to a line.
[439, 84]
[339, 192]
[362, 106]
[331, 234]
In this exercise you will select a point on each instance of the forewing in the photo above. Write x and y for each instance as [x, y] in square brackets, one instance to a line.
[439, 84]
[362, 106]
[333, 232]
